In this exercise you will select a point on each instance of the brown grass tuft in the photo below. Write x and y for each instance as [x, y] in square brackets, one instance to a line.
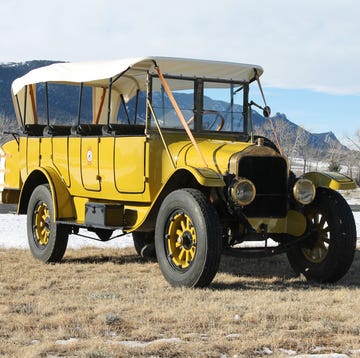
[108, 303]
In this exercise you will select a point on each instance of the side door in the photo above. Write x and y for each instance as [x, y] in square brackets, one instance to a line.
[89, 163]
[130, 164]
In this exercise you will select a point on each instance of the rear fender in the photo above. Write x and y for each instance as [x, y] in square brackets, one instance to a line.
[62, 200]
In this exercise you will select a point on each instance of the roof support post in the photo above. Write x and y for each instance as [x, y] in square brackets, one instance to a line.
[180, 115]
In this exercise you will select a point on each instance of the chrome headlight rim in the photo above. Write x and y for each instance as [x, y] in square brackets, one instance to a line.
[304, 191]
[242, 191]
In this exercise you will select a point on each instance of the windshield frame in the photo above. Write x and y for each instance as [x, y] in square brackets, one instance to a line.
[198, 91]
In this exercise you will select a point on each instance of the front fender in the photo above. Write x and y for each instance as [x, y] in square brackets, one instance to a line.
[62, 200]
[206, 176]
[332, 180]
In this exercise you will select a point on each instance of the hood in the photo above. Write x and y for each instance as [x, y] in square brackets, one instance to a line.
[217, 153]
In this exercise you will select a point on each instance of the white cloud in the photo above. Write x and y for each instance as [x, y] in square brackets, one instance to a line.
[306, 44]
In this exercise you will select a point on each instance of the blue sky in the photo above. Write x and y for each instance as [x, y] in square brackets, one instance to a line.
[309, 49]
[316, 111]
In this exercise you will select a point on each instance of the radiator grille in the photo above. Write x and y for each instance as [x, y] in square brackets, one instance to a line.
[269, 175]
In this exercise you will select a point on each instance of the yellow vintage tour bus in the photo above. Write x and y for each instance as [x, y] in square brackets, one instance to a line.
[163, 148]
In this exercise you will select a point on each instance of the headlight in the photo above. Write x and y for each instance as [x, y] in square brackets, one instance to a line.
[242, 191]
[304, 191]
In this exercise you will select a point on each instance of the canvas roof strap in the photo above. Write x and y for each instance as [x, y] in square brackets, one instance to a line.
[180, 115]
[270, 120]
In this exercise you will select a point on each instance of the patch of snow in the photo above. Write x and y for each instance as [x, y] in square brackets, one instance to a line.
[66, 341]
[357, 223]
[325, 355]
[140, 344]
[131, 344]
[265, 350]
[288, 352]
[13, 235]
[233, 335]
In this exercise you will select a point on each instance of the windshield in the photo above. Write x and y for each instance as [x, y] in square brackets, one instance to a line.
[207, 106]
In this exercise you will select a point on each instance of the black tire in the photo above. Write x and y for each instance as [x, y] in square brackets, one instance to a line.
[47, 240]
[329, 253]
[188, 239]
[144, 244]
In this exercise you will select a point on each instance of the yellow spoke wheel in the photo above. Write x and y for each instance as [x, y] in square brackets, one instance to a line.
[47, 239]
[181, 240]
[42, 224]
[320, 249]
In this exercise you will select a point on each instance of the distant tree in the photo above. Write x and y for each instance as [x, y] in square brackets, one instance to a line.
[357, 157]
[302, 146]
[354, 157]
[334, 167]
[7, 124]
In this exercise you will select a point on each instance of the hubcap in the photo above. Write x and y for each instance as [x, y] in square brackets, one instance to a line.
[181, 240]
[41, 227]
[320, 249]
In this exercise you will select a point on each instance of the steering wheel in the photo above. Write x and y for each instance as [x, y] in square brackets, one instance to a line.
[217, 115]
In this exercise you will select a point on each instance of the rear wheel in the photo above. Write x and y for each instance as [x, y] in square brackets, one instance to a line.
[144, 244]
[188, 239]
[47, 240]
[329, 253]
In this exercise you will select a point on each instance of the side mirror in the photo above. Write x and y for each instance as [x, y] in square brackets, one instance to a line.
[266, 111]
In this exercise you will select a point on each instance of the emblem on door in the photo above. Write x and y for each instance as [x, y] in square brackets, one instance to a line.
[89, 156]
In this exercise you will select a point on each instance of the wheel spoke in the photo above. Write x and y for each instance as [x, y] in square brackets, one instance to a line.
[183, 225]
[188, 257]
[192, 253]
[318, 253]
[182, 253]
[316, 219]
[326, 229]
[322, 246]
[188, 223]
[322, 221]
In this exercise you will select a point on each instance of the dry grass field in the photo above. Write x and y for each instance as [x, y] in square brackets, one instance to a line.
[109, 303]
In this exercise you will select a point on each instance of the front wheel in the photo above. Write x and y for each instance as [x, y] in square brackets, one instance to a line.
[47, 240]
[329, 253]
[188, 239]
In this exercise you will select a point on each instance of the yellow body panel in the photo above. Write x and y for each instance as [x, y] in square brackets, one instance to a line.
[89, 163]
[216, 152]
[11, 165]
[60, 153]
[294, 224]
[32, 153]
[129, 164]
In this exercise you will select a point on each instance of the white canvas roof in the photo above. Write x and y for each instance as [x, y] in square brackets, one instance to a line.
[133, 71]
